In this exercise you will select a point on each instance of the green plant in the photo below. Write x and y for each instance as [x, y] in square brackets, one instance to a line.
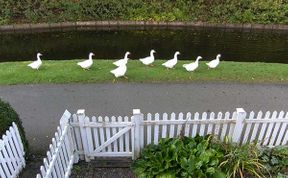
[7, 116]
[232, 11]
[275, 159]
[240, 160]
[179, 157]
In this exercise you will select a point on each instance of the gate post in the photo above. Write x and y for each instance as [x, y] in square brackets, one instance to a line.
[137, 120]
[240, 117]
[81, 118]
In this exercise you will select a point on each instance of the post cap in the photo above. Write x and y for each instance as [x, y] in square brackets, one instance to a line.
[81, 111]
[240, 110]
[136, 111]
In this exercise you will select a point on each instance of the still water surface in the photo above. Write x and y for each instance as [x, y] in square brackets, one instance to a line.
[112, 44]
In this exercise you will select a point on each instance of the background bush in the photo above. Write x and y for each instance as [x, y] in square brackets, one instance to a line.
[231, 11]
[7, 116]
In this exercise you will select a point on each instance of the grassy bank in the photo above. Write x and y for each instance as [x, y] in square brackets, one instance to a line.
[221, 11]
[69, 72]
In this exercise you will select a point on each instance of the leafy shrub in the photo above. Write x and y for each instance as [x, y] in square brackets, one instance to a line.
[7, 116]
[241, 160]
[179, 157]
[275, 159]
[233, 11]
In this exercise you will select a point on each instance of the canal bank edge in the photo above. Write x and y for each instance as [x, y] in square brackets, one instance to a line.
[39, 27]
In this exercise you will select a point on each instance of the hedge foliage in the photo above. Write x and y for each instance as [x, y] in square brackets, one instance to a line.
[7, 116]
[230, 11]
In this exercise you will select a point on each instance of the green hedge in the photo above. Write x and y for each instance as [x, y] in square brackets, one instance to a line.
[7, 116]
[230, 11]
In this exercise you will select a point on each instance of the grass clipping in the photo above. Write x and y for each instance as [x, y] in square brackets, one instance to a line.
[66, 71]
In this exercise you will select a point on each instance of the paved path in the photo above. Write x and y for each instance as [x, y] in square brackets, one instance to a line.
[41, 106]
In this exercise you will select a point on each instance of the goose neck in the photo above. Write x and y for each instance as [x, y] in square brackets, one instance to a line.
[175, 56]
[38, 58]
[126, 56]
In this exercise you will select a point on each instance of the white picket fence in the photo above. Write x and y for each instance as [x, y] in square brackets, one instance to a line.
[11, 153]
[126, 136]
[61, 155]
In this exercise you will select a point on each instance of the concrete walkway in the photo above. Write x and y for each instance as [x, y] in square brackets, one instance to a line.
[41, 106]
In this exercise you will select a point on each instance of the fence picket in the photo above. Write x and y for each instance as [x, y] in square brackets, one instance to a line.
[270, 126]
[172, 126]
[76, 131]
[149, 130]
[95, 132]
[248, 129]
[194, 127]
[43, 172]
[89, 138]
[5, 153]
[61, 155]
[15, 156]
[6, 139]
[141, 133]
[59, 158]
[217, 125]
[164, 127]
[108, 133]
[224, 130]
[232, 125]
[101, 132]
[282, 131]
[115, 143]
[16, 148]
[255, 131]
[210, 125]
[4, 160]
[285, 135]
[54, 174]
[127, 137]
[187, 126]
[202, 126]
[63, 148]
[156, 129]
[263, 128]
[179, 126]
[276, 129]
[121, 139]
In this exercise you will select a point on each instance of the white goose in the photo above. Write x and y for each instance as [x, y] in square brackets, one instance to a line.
[192, 66]
[122, 61]
[214, 63]
[150, 59]
[172, 62]
[87, 63]
[36, 64]
[119, 71]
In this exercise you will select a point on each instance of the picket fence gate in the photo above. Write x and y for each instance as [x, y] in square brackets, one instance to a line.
[12, 153]
[126, 136]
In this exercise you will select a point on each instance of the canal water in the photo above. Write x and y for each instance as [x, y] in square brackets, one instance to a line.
[234, 45]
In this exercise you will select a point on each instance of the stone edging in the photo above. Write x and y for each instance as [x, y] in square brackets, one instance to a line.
[123, 24]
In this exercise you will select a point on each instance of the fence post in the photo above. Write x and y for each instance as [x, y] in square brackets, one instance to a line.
[137, 119]
[240, 117]
[81, 118]
[65, 121]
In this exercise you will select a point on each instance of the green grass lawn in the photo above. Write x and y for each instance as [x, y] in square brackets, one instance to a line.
[68, 72]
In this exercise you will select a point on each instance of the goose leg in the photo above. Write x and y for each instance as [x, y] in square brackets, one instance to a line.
[125, 77]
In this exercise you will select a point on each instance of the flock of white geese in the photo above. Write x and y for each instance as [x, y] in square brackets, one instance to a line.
[122, 68]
